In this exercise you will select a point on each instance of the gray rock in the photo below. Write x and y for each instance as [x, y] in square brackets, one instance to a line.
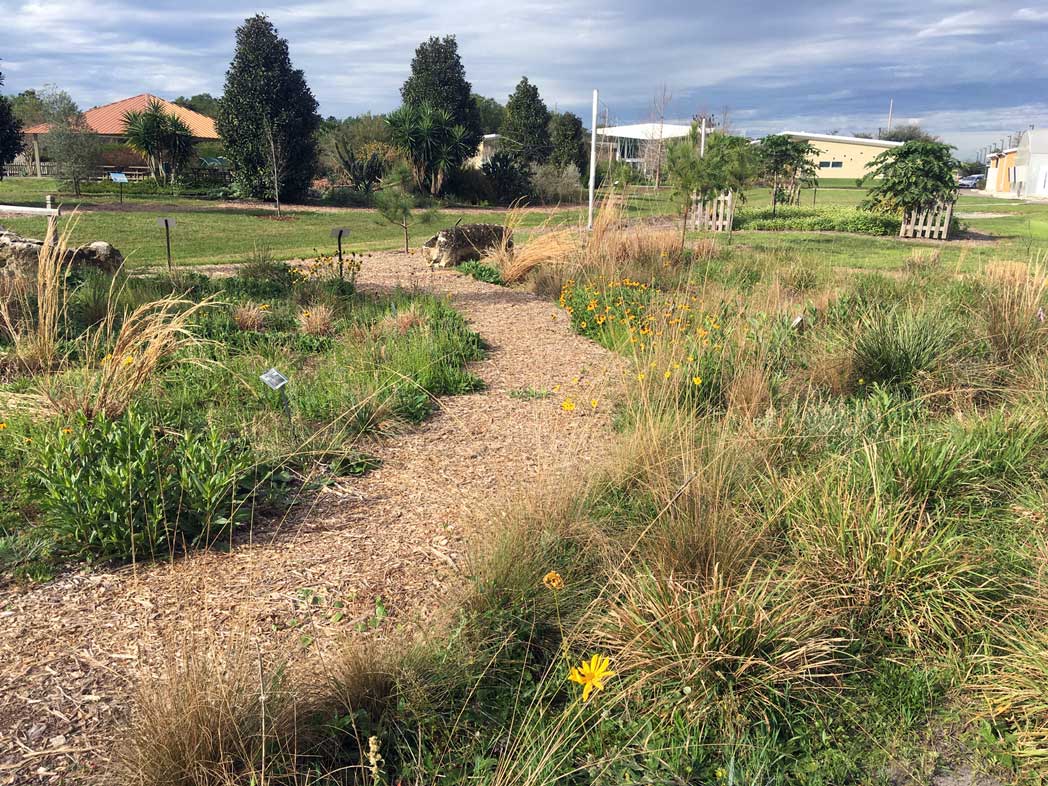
[18, 255]
[455, 245]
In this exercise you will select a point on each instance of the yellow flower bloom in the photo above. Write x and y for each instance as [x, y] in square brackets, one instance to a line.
[696, 380]
[667, 374]
[567, 405]
[593, 403]
[3, 426]
[553, 581]
[640, 376]
[67, 430]
[128, 360]
[591, 675]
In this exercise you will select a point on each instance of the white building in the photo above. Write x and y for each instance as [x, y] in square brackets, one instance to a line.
[639, 143]
[1031, 164]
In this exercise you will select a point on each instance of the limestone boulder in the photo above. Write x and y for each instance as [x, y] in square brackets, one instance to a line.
[18, 255]
[458, 244]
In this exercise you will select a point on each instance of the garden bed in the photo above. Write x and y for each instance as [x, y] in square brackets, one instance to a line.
[102, 461]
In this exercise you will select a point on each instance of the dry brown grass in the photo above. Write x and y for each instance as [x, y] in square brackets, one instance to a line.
[1014, 309]
[30, 312]
[212, 715]
[317, 320]
[400, 321]
[149, 339]
[250, 317]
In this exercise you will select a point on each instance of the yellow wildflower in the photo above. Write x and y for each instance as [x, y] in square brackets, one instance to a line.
[696, 380]
[667, 374]
[593, 403]
[591, 674]
[3, 426]
[553, 581]
[567, 405]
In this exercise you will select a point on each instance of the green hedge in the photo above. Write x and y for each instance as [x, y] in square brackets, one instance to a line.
[817, 219]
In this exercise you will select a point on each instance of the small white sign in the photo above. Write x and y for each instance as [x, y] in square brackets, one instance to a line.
[118, 177]
[274, 379]
[166, 222]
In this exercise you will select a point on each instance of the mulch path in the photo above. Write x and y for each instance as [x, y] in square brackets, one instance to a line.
[72, 649]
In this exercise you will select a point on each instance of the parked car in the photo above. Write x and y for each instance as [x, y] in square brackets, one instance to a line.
[970, 181]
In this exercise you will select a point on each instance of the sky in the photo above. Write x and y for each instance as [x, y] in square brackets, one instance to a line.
[971, 72]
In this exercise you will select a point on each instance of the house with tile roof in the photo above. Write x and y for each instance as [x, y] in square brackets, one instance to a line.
[108, 122]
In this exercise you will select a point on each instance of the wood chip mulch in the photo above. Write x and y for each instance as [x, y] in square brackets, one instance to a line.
[71, 650]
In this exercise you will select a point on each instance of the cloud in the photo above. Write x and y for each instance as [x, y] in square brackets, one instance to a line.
[771, 64]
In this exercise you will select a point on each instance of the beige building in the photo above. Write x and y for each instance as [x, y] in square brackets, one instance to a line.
[843, 156]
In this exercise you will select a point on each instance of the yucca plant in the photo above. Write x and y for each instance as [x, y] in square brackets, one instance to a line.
[161, 138]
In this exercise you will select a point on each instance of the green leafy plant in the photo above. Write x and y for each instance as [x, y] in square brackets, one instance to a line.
[481, 272]
[914, 176]
[121, 488]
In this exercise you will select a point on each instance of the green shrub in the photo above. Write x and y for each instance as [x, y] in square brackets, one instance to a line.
[481, 272]
[122, 488]
[817, 219]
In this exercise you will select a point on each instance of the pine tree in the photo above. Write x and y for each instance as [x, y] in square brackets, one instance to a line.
[10, 132]
[567, 140]
[268, 116]
[526, 126]
[438, 79]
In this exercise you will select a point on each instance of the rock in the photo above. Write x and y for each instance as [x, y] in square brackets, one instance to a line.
[452, 246]
[18, 255]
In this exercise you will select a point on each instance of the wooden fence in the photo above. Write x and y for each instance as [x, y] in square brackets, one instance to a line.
[716, 215]
[134, 173]
[932, 223]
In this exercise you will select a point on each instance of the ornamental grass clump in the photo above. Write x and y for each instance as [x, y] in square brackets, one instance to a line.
[1014, 309]
[148, 340]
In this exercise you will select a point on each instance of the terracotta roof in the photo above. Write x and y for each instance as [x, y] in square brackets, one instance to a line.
[108, 119]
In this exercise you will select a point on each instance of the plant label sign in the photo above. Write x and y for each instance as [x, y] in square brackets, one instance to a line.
[274, 379]
[167, 223]
[118, 177]
[339, 231]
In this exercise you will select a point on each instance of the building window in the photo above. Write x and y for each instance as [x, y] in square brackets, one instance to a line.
[824, 165]
[837, 164]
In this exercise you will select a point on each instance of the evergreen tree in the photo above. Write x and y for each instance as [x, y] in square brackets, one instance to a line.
[491, 112]
[268, 116]
[29, 108]
[203, 103]
[568, 141]
[10, 132]
[526, 126]
[438, 79]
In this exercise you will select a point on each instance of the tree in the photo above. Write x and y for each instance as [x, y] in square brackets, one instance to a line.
[77, 150]
[433, 143]
[438, 79]
[526, 125]
[74, 145]
[203, 103]
[729, 164]
[914, 176]
[268, 116]
[786, 164]
[490, 112]
[28, 106]
[908, 132]
[567, 140]
[10, 132]
[394, 201]
[161, 138]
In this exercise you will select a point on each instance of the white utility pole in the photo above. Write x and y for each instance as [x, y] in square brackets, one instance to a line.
[702, 139]
[593, 159]
[891, 106]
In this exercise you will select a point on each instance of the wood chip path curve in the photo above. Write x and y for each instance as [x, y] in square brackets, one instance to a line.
[70, 649]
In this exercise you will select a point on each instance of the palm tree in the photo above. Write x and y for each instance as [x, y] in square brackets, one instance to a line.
[161, 138]
[433, 143]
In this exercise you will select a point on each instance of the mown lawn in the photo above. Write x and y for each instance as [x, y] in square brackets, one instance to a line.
[208, 234]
